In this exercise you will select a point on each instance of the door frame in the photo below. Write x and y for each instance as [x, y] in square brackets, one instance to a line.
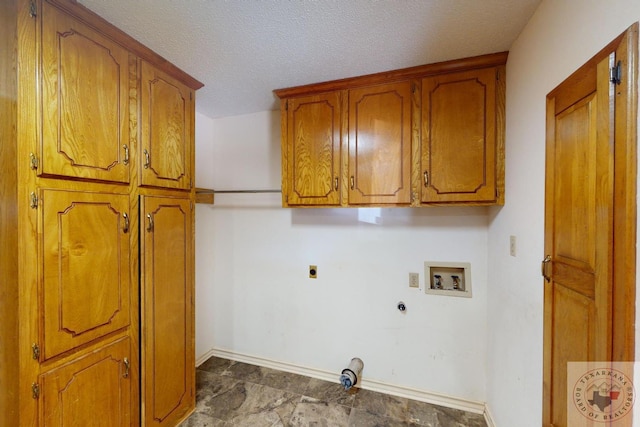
[625, 199]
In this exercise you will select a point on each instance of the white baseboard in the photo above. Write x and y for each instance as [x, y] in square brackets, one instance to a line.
[373, 385]
[488, 417]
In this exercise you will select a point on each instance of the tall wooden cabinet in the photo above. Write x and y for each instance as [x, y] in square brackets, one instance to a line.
[96, 296]
[167, 283]
[427, 135]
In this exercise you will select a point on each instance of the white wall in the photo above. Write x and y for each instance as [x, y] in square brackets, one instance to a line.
[204, 236]
[254, 296]
[560, 37]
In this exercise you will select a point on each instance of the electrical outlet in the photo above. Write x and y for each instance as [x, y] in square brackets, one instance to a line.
[414, 280]
[512, 245]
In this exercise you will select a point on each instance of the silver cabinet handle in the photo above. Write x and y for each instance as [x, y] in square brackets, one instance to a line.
[147, 159]
[426, 178]
[126, 154]
[127, 366]
[150, 225]
[545, 263]
[352, 182]
[335, 183]
[125, 228]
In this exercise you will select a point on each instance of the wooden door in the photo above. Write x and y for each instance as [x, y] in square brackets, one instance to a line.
[85, 267]
[166, 117]
[168, 336]
[313, 150]
[93, 390]
[380, 123]
[459, 137]
[590, 219]
[85, 101]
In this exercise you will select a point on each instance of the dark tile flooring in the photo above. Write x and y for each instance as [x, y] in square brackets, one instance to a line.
[238, 394]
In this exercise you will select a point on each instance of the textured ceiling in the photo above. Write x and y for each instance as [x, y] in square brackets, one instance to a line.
[243, 49]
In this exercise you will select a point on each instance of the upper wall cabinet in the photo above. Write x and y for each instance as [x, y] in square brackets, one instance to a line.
[380, 144]
[312, 144]
[459, 137]
[166, 116]
[85, 102]
[426, 135]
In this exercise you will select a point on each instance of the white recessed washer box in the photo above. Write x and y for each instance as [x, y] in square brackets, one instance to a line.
[448, 278]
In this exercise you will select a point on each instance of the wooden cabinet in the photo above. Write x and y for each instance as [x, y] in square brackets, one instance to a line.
[380, 144]
[166, 115]
[86, 263]
[93, 390]
[167, 286]
[72, 110]
[311, 150]
[426, 135]
[84, 81]
[460, 148]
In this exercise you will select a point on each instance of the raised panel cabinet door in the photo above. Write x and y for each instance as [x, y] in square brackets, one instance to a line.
[459, 137]
[168, 377]
[85, 267]
[313, 150]
[93, 390]
[380, 123]
[166, 115]
[85, 102]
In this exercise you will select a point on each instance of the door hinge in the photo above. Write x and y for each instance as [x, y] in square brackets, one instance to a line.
[33, 200]
[615, 73]
[35, 351]
[35, 390]
[33, 9]
[33, 161]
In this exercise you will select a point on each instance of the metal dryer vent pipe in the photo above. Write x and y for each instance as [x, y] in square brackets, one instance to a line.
[350, 375]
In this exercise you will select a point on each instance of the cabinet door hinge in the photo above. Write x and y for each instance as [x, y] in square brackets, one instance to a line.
[33, 159]
[33, 202]
[35, 390]
[615, 73]
[35, 351]
[33, 9]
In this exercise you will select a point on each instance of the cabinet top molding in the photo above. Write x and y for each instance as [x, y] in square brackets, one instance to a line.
[91, 19]
[455, 65]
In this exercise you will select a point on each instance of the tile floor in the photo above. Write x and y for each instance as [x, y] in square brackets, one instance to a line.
[238, 394]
